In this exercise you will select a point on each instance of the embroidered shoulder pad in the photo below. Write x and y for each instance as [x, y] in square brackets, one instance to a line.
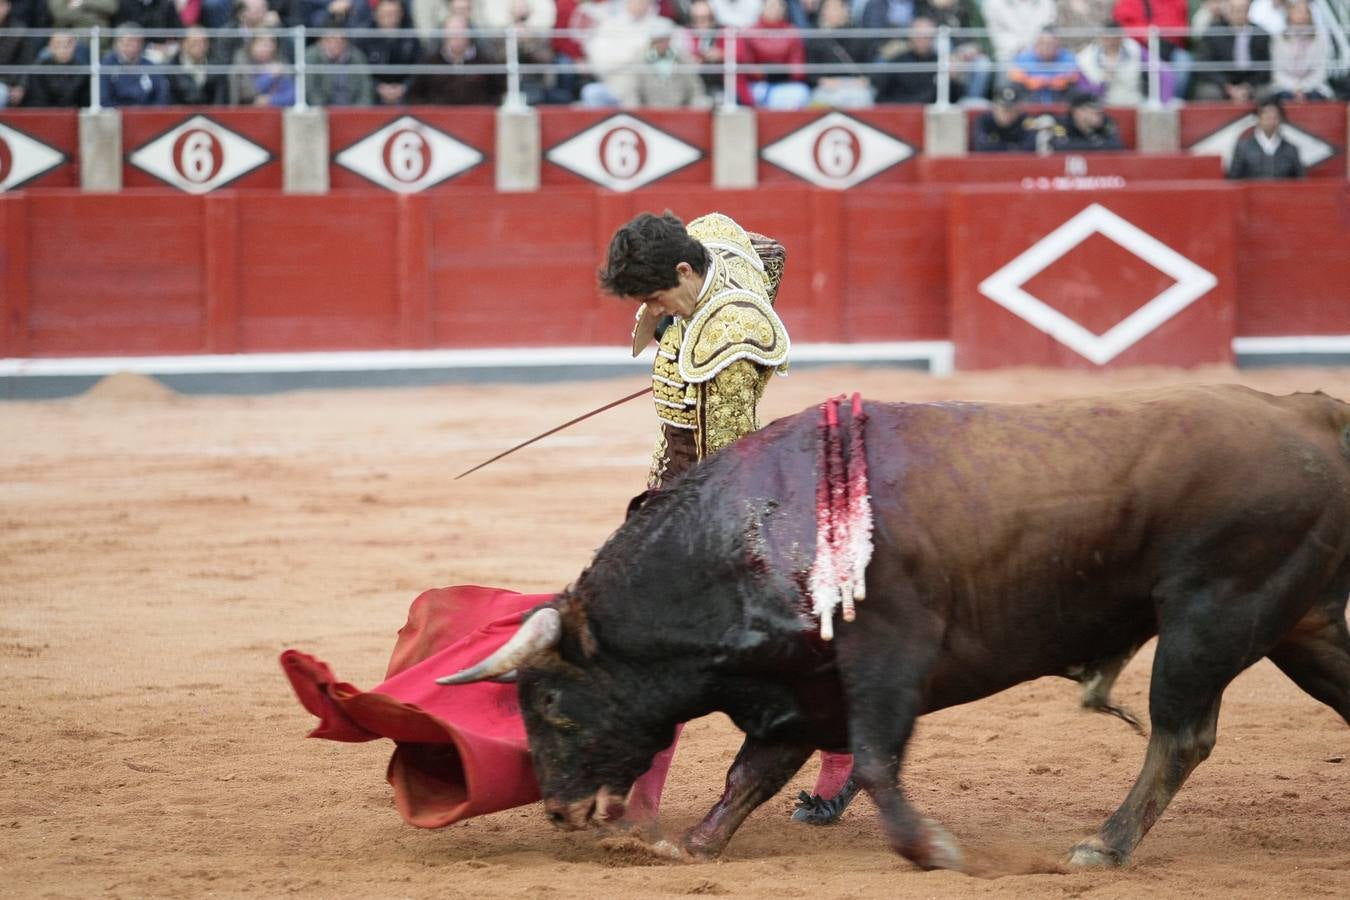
[735, 324]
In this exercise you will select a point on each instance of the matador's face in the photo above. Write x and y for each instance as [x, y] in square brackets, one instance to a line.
[681, 299]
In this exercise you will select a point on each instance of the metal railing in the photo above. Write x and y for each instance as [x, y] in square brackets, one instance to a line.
[946, 67]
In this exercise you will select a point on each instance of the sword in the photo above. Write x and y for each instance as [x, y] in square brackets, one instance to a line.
[569, 422]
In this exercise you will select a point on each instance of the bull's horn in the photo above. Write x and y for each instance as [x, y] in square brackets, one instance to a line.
[541, 631]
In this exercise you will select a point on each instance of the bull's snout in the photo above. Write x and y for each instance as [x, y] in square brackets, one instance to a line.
[569, 816]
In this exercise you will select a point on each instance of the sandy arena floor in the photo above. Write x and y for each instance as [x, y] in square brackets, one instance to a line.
[158, 552]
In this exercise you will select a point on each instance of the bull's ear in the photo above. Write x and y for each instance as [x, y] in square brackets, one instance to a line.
[577, 628]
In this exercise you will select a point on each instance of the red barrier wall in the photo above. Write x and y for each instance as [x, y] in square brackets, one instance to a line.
[39, 148]
[873, 147]
[1067, 171]
[1074, 280]
[199, 151]
[151, 272]
[624, 151]
[411, 149]
[1319, 129]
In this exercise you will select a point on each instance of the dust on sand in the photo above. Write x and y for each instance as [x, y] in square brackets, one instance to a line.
[158, 552]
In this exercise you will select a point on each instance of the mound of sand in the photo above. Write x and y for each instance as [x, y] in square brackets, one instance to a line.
[129, 387]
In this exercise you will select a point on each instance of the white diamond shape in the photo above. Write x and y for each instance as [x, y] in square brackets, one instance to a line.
[199, 155]
[623, 153]
[1311, 148]
[28, 158]
[408, 156]
[837, 151]
[1004, 287]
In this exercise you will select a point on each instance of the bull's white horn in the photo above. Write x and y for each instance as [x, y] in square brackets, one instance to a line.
[541, 631]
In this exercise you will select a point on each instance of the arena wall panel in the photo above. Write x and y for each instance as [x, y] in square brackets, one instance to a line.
[151, 272]
[1137, 276]
[197, 150]
[624, 151]
[412, 148]
[835, 149]
[1317, 129]
[39, 148]
[1293, 260]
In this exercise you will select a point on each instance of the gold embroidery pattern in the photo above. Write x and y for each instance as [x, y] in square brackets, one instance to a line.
[729, 404]
[675, 398]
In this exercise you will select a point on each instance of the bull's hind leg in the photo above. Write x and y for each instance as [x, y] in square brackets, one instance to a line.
[1203, 644]
[1316, 655]
[759, 771]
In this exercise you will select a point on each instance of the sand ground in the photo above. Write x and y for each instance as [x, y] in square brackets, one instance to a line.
[157, 552]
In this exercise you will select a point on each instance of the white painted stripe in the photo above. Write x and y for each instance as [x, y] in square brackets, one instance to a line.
[938, 353]
[1311, 343]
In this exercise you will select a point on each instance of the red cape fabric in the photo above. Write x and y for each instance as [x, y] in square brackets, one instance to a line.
[461, 750]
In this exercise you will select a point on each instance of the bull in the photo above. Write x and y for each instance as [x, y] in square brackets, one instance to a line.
[1010, 542]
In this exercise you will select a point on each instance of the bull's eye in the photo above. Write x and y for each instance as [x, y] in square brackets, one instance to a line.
[550, 707]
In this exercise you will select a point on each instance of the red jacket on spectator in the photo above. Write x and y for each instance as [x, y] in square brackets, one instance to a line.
[1139, 14]
[786, 48]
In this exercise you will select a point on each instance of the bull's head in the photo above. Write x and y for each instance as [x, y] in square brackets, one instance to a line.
[594, 722]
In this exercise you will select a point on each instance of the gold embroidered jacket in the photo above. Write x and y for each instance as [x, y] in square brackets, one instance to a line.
[711, 369]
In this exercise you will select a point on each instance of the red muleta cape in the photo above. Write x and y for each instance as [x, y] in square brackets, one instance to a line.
[461, 750]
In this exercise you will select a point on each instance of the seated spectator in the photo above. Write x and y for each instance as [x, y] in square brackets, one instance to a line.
[1263, 153]
[973, 70]
[1013, 26]
[1005, 126]
[737, 13]
[534, 47]
[1076, 16]
[390, 50]
[1045, 73]
[334, 14]
[131, 88]
[913, 87]
[540, 14]
[54, 88]
[15, 50]
[1172, 15]
[704, 44]
[615, 45]
[152, 14]
[885, 14]
[660, 84]
[82, 13]
[195, 87]
[782, 45]
[846, 87]
[461, 84]
[1086, 127]
[1116, 70]
[351, 85]
[1246, 53]
[271, 85]
[1302, 57]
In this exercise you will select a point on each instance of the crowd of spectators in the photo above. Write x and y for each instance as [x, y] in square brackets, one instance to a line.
[627, 53]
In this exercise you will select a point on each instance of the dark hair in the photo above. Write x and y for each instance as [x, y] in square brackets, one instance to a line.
[644, 253]
[1270, 101]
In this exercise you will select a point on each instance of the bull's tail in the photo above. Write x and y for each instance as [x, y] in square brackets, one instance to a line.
[843, 516]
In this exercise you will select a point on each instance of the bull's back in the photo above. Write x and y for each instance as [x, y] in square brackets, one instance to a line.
[1057, 524]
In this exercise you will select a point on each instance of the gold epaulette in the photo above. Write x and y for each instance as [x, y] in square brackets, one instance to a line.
[734, 324]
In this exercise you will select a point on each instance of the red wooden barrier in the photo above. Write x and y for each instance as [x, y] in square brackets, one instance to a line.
[840, 150]
[160, 271]
[1063, 279]
[1293, 259]
[623, 151]
[198, 152]
[39, 148]
[1316, 129]
[411, 149]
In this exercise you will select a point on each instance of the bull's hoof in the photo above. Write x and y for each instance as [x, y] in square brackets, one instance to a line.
[942, 851]
[813, 809]
[1092, 852]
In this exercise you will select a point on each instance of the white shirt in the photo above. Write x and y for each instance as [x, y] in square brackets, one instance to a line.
[1268, 144]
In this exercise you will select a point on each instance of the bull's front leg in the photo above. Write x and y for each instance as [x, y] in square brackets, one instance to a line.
[759, 771]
